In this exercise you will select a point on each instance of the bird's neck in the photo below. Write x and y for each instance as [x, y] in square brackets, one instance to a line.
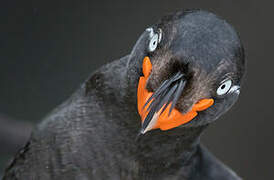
[159, 151]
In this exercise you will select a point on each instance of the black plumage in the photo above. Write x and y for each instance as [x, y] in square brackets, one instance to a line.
[92, 135]
[167, 93]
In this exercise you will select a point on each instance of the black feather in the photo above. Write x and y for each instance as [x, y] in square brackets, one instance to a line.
[168, 98]
[168, 92]
[177, 94]
[163, 87]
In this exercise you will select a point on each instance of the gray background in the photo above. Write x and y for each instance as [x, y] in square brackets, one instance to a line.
[48, 48]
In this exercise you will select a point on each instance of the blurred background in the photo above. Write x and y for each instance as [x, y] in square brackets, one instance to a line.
[47, 49]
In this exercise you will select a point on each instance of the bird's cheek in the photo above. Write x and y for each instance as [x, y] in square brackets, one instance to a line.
[220, 107]
[230, 101]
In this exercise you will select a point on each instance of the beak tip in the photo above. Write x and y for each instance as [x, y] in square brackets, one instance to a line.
[143, 131]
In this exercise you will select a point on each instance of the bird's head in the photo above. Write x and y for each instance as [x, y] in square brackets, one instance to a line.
[190, 68]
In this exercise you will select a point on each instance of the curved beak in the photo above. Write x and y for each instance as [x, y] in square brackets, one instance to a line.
[157, 109]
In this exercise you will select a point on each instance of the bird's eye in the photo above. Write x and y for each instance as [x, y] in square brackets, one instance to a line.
[224, 87]
[153, 42]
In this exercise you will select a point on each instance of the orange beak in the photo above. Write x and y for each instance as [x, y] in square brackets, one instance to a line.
[164, 120]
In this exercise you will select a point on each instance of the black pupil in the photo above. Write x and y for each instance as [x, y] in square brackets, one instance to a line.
[154, 42]
[223, 86]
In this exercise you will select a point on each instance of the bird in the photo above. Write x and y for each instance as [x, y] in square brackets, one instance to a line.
[141, 117]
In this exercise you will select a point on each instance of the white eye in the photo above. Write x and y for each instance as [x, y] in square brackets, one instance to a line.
[224, 87]
[153, 42]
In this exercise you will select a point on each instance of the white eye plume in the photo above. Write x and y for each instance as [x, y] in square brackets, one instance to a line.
[224, 87]
[235, 89]
[155, 38]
